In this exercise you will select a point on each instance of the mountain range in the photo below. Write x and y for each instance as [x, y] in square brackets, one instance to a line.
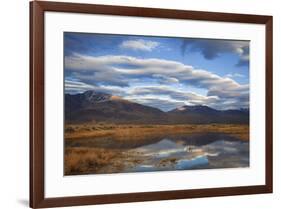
[92, 106]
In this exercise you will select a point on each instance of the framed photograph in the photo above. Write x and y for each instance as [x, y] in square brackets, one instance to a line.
[140, 104]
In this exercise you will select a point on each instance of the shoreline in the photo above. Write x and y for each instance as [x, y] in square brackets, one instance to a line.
[140, 132]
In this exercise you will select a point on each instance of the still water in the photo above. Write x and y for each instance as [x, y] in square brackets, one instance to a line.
[177, 152]
[192, 152]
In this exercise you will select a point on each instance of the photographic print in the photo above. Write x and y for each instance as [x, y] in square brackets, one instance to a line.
[145, 103]
[147, 96]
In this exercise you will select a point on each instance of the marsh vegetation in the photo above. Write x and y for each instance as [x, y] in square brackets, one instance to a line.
[93, 148]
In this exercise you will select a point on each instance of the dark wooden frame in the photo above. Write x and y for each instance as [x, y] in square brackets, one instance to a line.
[37, 9]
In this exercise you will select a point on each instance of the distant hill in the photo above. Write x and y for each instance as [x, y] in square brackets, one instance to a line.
[204, 114]
[100, 107]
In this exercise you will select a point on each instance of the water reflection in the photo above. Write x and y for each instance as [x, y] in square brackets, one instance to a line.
[192, 152]
[174, 152]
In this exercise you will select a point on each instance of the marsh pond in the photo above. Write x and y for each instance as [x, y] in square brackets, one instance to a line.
[158, 153]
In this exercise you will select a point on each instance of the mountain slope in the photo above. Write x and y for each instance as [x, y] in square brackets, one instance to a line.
[204, 114]
[93, 106]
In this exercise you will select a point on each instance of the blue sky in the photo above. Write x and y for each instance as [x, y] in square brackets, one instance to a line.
[163, 72]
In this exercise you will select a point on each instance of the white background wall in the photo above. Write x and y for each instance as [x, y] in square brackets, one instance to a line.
[14, 81]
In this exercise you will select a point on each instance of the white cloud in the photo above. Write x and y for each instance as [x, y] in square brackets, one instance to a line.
[165, 79]
[234, 75]
[139, 44]
[173, 93]
[126, 71]
[105, 67]
[160, 102]
[80, 87]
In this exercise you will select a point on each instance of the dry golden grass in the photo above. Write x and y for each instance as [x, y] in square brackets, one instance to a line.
[82, 160]
[82, 157]
[127, 132]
